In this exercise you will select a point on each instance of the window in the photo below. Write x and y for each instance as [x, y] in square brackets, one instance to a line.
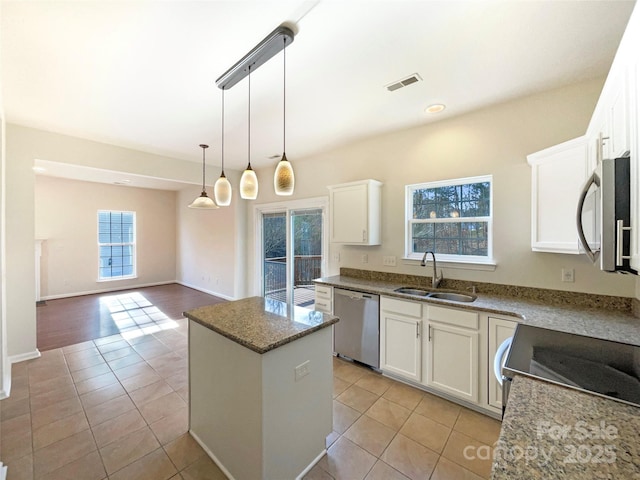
[116, 244]
[452, 218]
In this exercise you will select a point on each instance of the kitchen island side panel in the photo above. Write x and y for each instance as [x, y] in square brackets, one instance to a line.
[298, 415]
[225, 399]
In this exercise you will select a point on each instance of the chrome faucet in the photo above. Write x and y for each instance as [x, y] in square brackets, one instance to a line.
[435, 279]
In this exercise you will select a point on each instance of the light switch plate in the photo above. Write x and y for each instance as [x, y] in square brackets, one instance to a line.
[389, 260]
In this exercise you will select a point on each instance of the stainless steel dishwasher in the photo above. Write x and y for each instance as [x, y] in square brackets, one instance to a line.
[357, 334]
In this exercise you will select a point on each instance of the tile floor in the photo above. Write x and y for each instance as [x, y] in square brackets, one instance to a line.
[116, 408]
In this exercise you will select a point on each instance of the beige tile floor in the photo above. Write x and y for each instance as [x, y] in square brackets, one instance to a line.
[116, 408]
[387, 430]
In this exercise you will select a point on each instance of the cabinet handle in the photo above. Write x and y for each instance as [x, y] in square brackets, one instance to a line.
[417, 330]
[429, 332]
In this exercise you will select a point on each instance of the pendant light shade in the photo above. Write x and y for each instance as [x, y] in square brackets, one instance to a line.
[249, 180]
[203, 201]
[283, 179]
[222, 188]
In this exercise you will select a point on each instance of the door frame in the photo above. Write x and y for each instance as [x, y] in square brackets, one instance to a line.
[287, 206]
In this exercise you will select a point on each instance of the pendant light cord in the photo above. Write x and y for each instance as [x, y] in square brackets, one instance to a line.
[222, 143]
[249, 124]
[202, 167]
[284, 96]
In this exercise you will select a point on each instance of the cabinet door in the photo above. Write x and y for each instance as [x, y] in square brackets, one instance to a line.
[400, 345]
[452, 362]
[355, 210]
[557, 177]
[349, 214]
[499, 330]
[618, 142]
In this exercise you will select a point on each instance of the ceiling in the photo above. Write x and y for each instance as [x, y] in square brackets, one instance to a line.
[141, 74]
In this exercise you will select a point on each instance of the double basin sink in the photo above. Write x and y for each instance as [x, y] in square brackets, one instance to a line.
[452, 296]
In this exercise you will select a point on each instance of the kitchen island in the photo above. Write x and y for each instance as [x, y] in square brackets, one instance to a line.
[260, 386]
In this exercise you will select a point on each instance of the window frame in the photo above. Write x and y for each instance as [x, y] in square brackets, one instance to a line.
[133, 244]
[449, 258]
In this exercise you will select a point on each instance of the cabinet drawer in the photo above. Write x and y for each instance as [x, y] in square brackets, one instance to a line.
[452, 316]
[323, 291]
[411, 309]
[323, 305]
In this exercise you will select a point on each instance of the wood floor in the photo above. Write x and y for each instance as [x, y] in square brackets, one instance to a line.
[68, 321]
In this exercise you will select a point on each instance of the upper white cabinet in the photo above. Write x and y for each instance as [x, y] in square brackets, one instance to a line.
[400, 337]
[355, 212]
[558, 174]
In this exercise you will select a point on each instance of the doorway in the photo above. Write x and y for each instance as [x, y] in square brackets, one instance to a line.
[292, 250]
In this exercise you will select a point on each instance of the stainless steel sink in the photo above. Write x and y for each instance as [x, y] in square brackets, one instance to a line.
[456, 297]
[412, 291]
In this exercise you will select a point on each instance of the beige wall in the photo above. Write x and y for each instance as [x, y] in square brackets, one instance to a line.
[493, 141]
[66, 219]
[24, 145]
[209, 244]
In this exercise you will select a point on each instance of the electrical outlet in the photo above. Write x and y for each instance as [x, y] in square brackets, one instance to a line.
[302, 370]
[365, 258]
[568, 275]
[336, 257]
[389, 260]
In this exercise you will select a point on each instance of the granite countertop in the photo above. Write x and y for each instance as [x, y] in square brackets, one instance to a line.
[259, 323]
[606, 323]
[554, 432]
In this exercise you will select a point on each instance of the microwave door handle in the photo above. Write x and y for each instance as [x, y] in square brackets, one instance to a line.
[593, 180]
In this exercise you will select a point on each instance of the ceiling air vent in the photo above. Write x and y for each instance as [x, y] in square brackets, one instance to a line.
[404, 82]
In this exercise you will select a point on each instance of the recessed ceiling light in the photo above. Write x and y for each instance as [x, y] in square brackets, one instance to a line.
[435, 108]
[39, 169]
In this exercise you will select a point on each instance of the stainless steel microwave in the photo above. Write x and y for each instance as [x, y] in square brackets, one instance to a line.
[604, 215]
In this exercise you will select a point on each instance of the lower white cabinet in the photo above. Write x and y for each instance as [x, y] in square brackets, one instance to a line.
[452, 345]
[400, 337]
[499, 330]
[324, 299]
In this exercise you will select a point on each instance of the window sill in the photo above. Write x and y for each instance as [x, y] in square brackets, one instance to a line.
[487, 266]
[129, 277]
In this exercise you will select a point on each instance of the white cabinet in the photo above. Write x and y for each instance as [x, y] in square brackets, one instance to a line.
[324, 299]
[452, 361]
[558, 174]
[355, 212]
[400, 337]
[499, 330]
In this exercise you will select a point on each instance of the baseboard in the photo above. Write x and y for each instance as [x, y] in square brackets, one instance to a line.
[211, 455]
[312, 464]
[106, 290]
[21, 357]
[204, 290]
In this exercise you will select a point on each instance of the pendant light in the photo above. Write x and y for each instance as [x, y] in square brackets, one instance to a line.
[249, 180]
[203, 201]
[284, 179]
[222, 189]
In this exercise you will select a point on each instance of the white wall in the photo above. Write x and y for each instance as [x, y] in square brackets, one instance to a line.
[66, 219]
[495, 141]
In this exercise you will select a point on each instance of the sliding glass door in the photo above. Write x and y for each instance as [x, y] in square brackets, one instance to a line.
[292, 250]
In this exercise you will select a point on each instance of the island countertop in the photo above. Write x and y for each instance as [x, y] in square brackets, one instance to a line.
[555, 432]
[260, 324]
